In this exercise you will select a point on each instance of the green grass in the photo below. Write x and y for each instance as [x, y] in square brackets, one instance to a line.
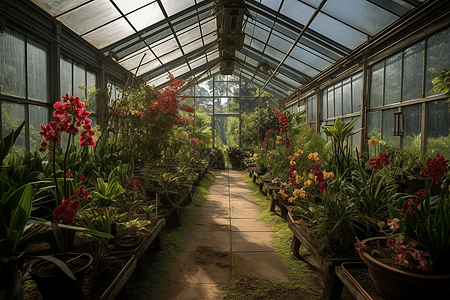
[159, 264]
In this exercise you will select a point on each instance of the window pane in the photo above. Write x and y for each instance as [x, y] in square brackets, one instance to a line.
[356, 138]
[338, 100]
[438, 124]
[38, 116]
[13, 115]
[347, 96]
[12, 64]
[356, 92]
[324, 104]
[79, 81]
[376, 89]
[374, 127]
[412, 119]
[388, 127]
[37, 71]
[91, 92]
[393, 78]
[330, 103]
[65, 66]
[413, 72]
[438, 57]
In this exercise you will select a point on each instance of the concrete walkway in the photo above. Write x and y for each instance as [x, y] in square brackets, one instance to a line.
[226, 241]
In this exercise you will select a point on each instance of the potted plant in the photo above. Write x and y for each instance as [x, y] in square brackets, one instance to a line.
[418, 244]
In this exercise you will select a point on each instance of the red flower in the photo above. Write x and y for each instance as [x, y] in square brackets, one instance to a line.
[409, 205]
[435, 168]
[377, 163]
[86, 194]
[420, 193]
[69, 174]
[82, 177]
[64, 213]
[72, 203]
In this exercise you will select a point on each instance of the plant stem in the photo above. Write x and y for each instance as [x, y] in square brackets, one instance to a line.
[58, 201]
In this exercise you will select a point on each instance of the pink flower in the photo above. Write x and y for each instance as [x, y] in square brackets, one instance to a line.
[359, 246]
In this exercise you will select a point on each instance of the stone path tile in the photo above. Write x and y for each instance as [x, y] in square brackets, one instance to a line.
[262, 264]
[218, 240]
[251, 241]
[249, 225]
[251, 213]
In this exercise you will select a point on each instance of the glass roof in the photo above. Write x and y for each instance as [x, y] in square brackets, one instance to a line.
[153, 39]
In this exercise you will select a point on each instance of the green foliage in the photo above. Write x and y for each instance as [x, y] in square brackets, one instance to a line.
[442, 82]
[7, 142]
[341, 153]
[107, 192]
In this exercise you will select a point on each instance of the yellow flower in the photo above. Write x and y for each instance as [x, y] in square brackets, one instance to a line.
[295, 172]
[187, 135]
[296, 192]
[255, 155]
[307, 183]
[314, 156]
[296, 155]
[293, 162]
[297, 181]
[300, 151]
[302, 193]
[290, 183]
[373, 141]
[279, 142]
[311, 176]
[279, 137]
[292, 199]
[327, 174]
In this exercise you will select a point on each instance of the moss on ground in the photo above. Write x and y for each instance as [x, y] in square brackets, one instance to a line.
[157, 265]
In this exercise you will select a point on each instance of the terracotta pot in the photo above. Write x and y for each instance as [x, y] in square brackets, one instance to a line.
[395, 284]
[60, 286]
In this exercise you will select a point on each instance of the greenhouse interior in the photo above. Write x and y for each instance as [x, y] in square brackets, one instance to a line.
[226, 149]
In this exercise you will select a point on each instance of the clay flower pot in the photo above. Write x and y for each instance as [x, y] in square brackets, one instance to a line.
[396, 284]
[55, 284]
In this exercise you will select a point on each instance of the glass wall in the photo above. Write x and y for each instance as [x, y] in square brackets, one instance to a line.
[24, 75]
[402, 78]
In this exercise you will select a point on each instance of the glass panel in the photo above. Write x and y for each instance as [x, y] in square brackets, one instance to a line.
[338, 31]
[12, 64]
[260, 34]
[301, 67]
[90, 16]
[146, 16]
[198, 62]
[257, 45]
[347, 96]
[132, 61]
[79, 80]
[273, 4]
[361, 14]
[388, 127]
[38, 116]
[279, 43]
[297, 11]
[309, 58]
[338, 100]
[374, 127]
[413, 72]
[331, 113]
[165, 47]
[13, 115]
[376, 89]
[58, 7]
[37, 71]
[172, 7]
[127, 6]
[205, 104]
[92, 100]
[209, 26]
[324, 104]
[109, 34]
[438, 58]
[148, 67]
[171, 56]
[438, 124]
[412, 120]
[189, 36]
[393, 79]
[357, 92]
[65, 80]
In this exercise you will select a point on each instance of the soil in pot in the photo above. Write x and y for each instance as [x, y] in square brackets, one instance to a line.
[128, 243]
[53, 283]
